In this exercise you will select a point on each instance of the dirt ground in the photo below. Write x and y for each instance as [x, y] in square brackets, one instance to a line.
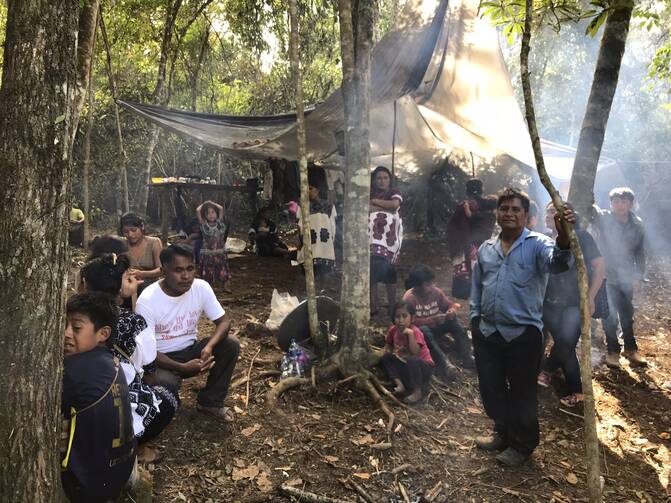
[323, 437]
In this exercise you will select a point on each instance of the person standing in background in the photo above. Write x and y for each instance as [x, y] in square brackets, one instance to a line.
[622, 242]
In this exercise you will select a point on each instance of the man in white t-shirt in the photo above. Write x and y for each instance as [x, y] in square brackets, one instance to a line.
[173, 306]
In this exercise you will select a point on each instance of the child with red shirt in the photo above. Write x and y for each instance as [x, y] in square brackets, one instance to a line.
[407, 359]
[436, 313]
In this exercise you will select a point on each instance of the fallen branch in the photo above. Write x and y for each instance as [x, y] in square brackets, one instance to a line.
[359, 489]
[403, 492]
[309, 497]
[401, 468]
[249, 376]
[433, 493]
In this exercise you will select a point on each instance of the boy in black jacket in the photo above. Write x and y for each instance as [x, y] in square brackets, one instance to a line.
[99, 452]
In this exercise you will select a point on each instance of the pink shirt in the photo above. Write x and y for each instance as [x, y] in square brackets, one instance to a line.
[434, 302]
[397, 339]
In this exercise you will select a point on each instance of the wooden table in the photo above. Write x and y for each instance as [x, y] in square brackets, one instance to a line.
[165, 189]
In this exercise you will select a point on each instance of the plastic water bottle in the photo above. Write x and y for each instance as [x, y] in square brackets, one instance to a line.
[286, 367]
[295, 353]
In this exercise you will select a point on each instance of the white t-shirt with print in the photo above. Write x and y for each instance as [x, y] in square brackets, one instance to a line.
[175, 319]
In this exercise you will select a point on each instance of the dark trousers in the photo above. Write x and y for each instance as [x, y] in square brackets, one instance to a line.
[621, 307]
[439, 357]
[564, 325]
[452, 327]
[414, 373]
[225, 357]
[169, 405]
[507, 373]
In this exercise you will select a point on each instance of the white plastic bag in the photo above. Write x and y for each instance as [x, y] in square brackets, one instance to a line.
[281, 304]
[235, 245]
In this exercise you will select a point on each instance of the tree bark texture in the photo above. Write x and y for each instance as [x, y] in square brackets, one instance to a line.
[599, 103]
[39, 84]
[590, 432]
[86, 199]
[88, 19]
[321, 343]
[355, 301]
[122, 199]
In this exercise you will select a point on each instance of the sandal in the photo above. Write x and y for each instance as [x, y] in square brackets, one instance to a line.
[223, 413]
[572, 400]
[544, 379]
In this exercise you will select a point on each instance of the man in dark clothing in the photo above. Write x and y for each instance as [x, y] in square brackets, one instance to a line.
[509, 282]
[621, 239]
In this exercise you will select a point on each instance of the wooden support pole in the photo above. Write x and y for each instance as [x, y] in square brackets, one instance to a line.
[164, 196]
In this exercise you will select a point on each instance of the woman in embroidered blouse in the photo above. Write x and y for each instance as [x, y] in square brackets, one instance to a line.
[213, 264]
[385, 231]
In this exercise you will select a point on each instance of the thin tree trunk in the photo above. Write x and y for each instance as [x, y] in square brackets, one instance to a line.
[195, 74]
[600, 100]
[36, 122]
[87, 159]
[122, 202]
[88, 19]
[171, 11]
[321, 342]
[355, 301]
[590, 432]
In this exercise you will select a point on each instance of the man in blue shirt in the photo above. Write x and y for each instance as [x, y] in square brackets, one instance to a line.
[506, 304]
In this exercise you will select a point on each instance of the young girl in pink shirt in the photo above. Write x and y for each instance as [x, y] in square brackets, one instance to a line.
[407, 359]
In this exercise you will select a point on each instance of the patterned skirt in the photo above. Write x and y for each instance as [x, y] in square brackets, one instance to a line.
[213, 266]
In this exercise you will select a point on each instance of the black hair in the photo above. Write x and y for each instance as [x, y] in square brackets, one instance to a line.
[207, 206]
[474, 187]
[622, 193]
[105, 273]
[170, 251]
[99, 307]
[132, 220]
[108, 243]
[514, 193]
[419, 274]
[403, 304]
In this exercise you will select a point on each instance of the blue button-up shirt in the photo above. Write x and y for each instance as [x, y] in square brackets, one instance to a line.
[507, 291]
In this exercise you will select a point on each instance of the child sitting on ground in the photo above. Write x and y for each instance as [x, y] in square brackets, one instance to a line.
[99, 453]
[407, 359]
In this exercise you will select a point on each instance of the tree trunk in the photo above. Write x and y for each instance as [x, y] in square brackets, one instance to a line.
[122, 202]
[600, 100]
[86, 201]
[321, 343]
[591, 437]
[88, 19]
[195, 74]
[36, 122]
[171, 11]
[355, 301]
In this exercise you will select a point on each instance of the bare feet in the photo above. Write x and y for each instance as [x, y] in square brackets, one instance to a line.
[399, 389]
[147, 455]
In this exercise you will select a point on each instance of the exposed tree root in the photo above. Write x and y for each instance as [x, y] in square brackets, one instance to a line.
[367, 384]
[282, 386]
[309, 497]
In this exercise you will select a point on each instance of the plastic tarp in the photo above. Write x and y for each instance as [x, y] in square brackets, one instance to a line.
[438, 84]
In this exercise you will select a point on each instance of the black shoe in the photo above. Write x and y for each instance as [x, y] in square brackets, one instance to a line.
[491, 443]
[511, 457]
